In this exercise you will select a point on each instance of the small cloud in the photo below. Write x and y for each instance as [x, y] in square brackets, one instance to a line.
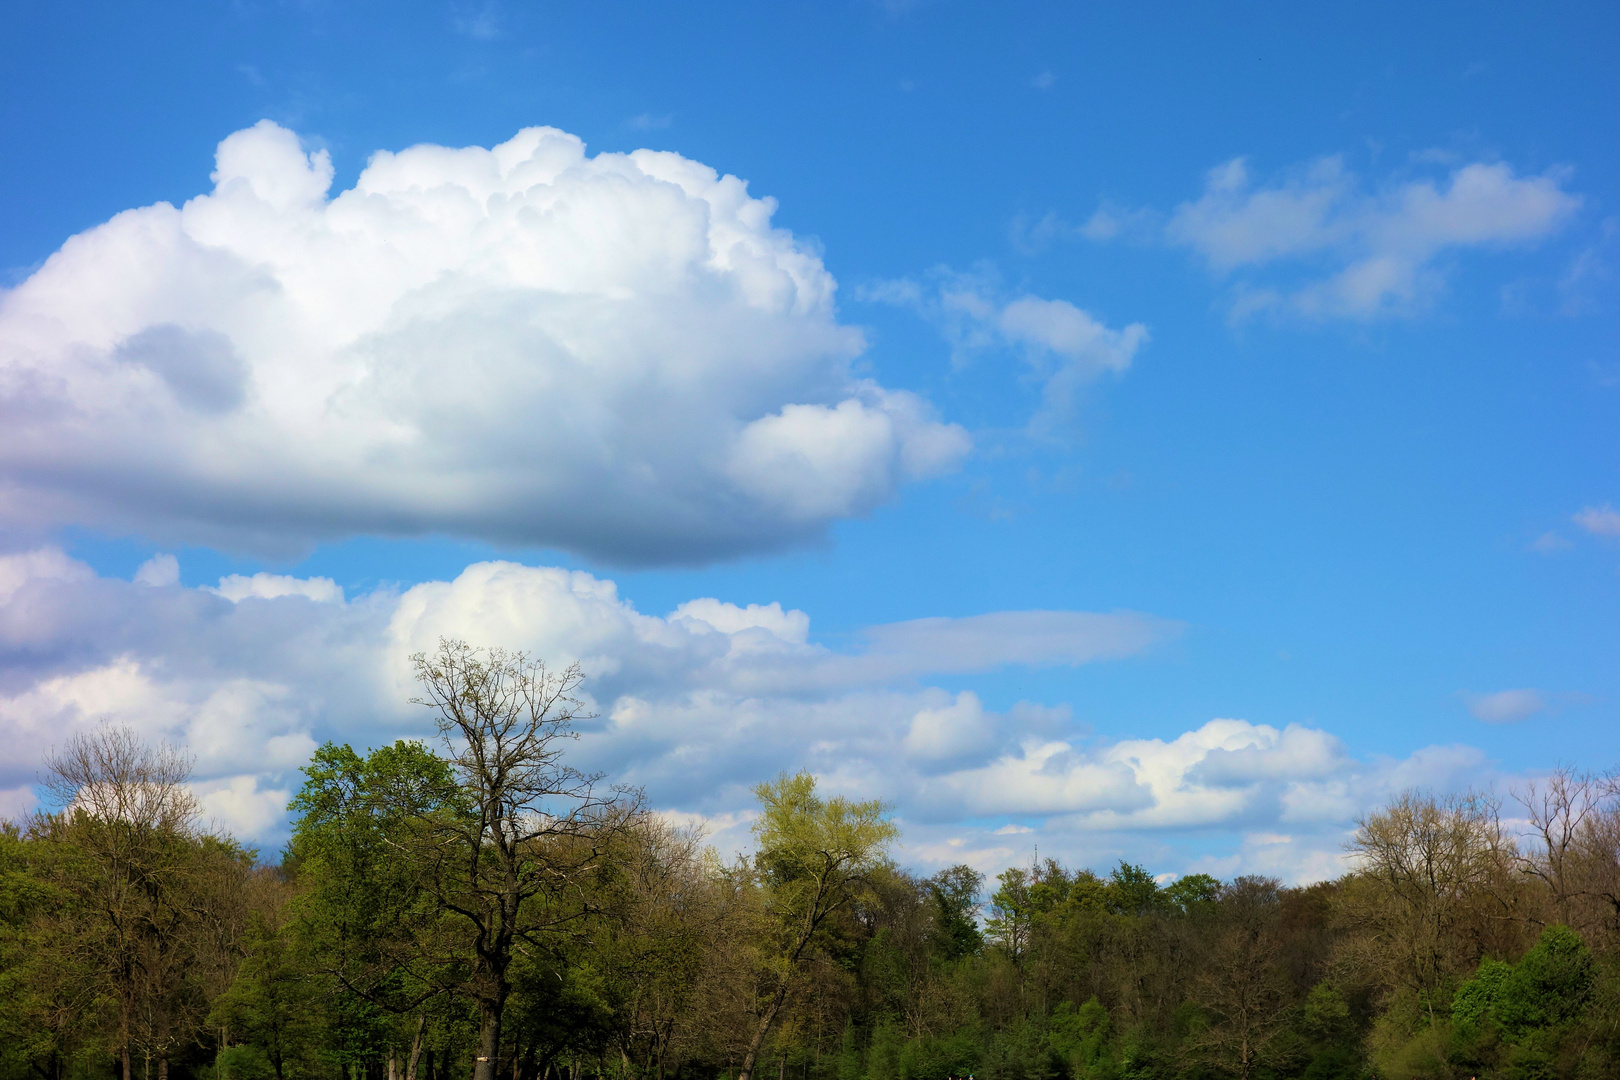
[251, 74]
[1044, 81]
[1111, 222]
[649, 122]
[1012, 830]
[907, 86]
[1599, 520]
[1108, 222]
[158, 572]
[1506, 706]
[1064, 346]
[1550, 543]
[238, 587]
[482, 24]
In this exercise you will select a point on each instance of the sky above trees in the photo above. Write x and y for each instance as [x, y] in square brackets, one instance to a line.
[1124, 433]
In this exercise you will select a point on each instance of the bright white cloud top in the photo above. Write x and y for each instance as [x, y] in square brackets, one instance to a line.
[618, 355]
[695, 706]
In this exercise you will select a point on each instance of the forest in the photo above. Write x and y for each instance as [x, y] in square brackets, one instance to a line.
[477, 907]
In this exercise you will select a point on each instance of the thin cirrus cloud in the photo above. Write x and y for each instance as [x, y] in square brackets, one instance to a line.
[618, 355]
[1317, 241]
[694, 707]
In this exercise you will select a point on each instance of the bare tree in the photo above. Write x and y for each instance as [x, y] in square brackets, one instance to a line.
[1241, 982]
[126, 836]
[1440, 875]
[525, 828]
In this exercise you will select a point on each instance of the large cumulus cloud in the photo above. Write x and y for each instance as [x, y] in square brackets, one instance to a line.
[695, 706]
[618, 354]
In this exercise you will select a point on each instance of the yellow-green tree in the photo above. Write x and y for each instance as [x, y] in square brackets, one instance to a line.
[814, 859]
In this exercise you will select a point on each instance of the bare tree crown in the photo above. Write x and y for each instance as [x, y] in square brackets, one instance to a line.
[112, 776]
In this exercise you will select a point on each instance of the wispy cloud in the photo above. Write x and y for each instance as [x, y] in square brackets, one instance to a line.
[1599, 521]
[1064, 346]
[1317, 241]
[481, 22]
[650, 122]
[1506, 706]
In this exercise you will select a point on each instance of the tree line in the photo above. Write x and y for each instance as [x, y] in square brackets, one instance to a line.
[482, 909]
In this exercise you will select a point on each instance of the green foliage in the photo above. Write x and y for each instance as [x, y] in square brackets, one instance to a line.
[1133, 891]
[1551, 986]
[1193, 895]
[883, 1055]
[955, 892]
[243, 1063]
[850, 1065]
[1082, 1038]
[1326, 1015]
[1475, 1000]
[273, 1005]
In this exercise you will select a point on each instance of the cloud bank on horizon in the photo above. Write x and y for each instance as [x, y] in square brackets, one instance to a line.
[615, 355]
[695, 706]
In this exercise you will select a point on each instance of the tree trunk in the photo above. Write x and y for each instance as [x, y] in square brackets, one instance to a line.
[393, 1064]
[764, 1028]
[416, 1049]
[489, 1040]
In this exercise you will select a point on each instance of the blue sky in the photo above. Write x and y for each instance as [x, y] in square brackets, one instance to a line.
[1288, 333]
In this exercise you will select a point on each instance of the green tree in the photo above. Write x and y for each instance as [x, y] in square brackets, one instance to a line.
[813, 860]
[363, 917]
[1194, 894]
[955, 931]
[272, 1004]
[1010, 913]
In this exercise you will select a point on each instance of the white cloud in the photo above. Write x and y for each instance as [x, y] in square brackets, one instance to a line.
[1065, 347]
[17, 802]
[1599, 520]
[1506, 706]
[158, 571]
[241, 806]
[43, 564]
[789, 626]
[696, 707]
[953, 733]
[1319, 242]
[614, 354]
[237, 587]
